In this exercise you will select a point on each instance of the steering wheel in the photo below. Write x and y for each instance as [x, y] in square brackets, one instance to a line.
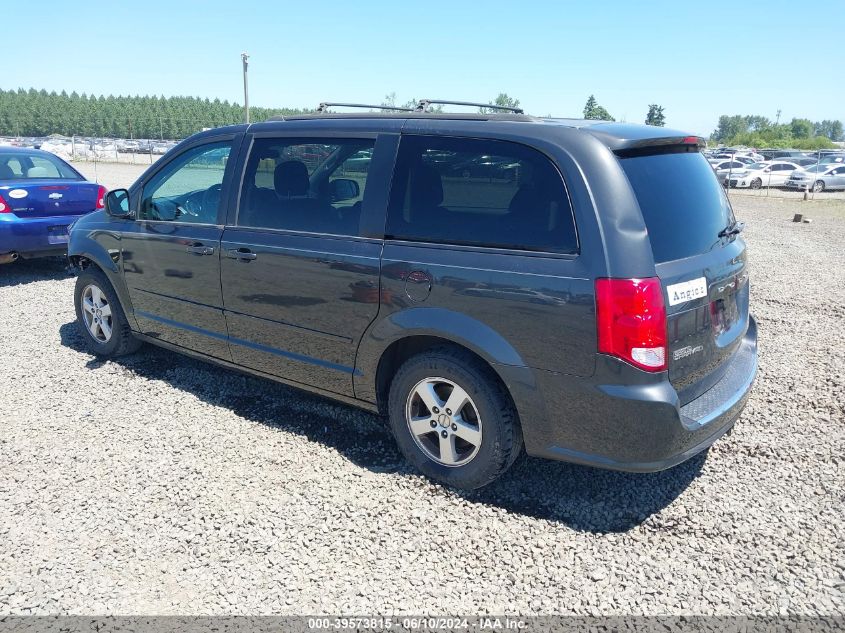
[211, 200]
[193, 205]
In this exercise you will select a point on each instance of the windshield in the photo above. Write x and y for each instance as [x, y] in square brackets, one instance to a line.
[35, 165]
[757, 166]
[818, 168]
[683, 205]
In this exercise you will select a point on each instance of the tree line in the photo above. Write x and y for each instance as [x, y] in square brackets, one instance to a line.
[759, 131]
[748, 130]
[41, 113]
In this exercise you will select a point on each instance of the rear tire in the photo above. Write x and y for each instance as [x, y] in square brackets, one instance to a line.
[466, 448]
[99, 316]
[818, 186]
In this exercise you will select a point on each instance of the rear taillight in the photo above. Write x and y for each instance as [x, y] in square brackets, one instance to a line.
[101, 197]
[631, 319]
[4, 206]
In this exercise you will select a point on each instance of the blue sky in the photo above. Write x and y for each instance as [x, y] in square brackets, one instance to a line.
[697, 59]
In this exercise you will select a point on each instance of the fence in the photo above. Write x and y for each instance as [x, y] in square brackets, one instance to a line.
[770, 180]
[117, 149]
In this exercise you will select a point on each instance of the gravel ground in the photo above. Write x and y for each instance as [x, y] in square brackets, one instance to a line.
[161, 485]
[112, 175]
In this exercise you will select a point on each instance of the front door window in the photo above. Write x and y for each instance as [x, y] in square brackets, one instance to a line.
[188, 190]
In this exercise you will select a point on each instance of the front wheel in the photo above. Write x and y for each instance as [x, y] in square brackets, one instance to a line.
[99, 316]
[756, 183]
[452, 418]
[818, 186]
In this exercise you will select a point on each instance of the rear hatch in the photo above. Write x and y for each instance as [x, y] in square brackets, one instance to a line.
[46, 198]
[700, 261]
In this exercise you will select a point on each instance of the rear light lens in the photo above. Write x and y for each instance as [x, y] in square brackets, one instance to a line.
[4, 206]
[101, 197]
[631, 318]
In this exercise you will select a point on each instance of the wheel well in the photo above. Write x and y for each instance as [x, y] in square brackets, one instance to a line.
[403, 349]
[80, 261]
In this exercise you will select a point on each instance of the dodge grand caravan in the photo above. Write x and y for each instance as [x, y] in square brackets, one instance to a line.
[490, 283]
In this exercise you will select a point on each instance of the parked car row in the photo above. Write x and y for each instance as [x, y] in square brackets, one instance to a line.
[783, 168]
[84, 144]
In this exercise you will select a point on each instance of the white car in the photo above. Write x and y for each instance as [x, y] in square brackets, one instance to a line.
[771, 173]
[725, 168]
[819, 177]
[744, 157]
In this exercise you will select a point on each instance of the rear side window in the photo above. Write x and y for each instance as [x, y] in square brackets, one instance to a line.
[310, 185]
[682, 202]
[479, 192]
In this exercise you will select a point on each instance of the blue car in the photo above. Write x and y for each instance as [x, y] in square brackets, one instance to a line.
[40, 196]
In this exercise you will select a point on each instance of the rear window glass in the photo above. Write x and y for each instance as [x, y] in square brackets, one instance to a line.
[25, 166]
[682, 202]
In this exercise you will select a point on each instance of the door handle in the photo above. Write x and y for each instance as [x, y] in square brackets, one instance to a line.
[199, 249]
[242, 254]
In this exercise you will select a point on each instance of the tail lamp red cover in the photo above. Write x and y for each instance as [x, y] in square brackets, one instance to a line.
[631, 317]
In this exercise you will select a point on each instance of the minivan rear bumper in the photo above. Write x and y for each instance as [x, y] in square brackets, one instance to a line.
[618, 425]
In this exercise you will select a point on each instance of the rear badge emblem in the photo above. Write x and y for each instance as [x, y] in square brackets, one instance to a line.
[683, 352]
[18, 193]
[55, 196]
[687, 291]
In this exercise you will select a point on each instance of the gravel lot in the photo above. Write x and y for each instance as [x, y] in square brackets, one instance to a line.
[161, 485]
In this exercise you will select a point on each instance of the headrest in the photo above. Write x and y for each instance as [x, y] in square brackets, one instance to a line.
[291, 178]
[426, 186]
[37, 172]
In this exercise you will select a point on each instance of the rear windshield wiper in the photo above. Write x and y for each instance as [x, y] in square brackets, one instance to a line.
[734, 228]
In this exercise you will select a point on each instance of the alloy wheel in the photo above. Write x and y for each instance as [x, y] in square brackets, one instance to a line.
[96, 312]
[444, 421]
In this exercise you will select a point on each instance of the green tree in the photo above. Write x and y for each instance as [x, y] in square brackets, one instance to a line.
[729, 126]
[503, 100]
[389, 100]
[830, 129]
[802, 128]
[592, 110]
[655, 116]
[758, 131]
[39, 113]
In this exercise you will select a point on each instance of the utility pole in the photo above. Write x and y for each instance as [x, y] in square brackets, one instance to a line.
[777, 119]
[244, 59]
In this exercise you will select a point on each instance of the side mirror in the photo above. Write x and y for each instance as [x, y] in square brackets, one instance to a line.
[344, 189]
[117, 203]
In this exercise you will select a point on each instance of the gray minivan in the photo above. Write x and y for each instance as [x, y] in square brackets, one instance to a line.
[490, 283]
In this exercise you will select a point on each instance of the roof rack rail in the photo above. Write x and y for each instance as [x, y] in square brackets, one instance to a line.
[326, 104]
[423, 105]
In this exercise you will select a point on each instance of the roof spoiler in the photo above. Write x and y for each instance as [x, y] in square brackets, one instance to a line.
[660, 145]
